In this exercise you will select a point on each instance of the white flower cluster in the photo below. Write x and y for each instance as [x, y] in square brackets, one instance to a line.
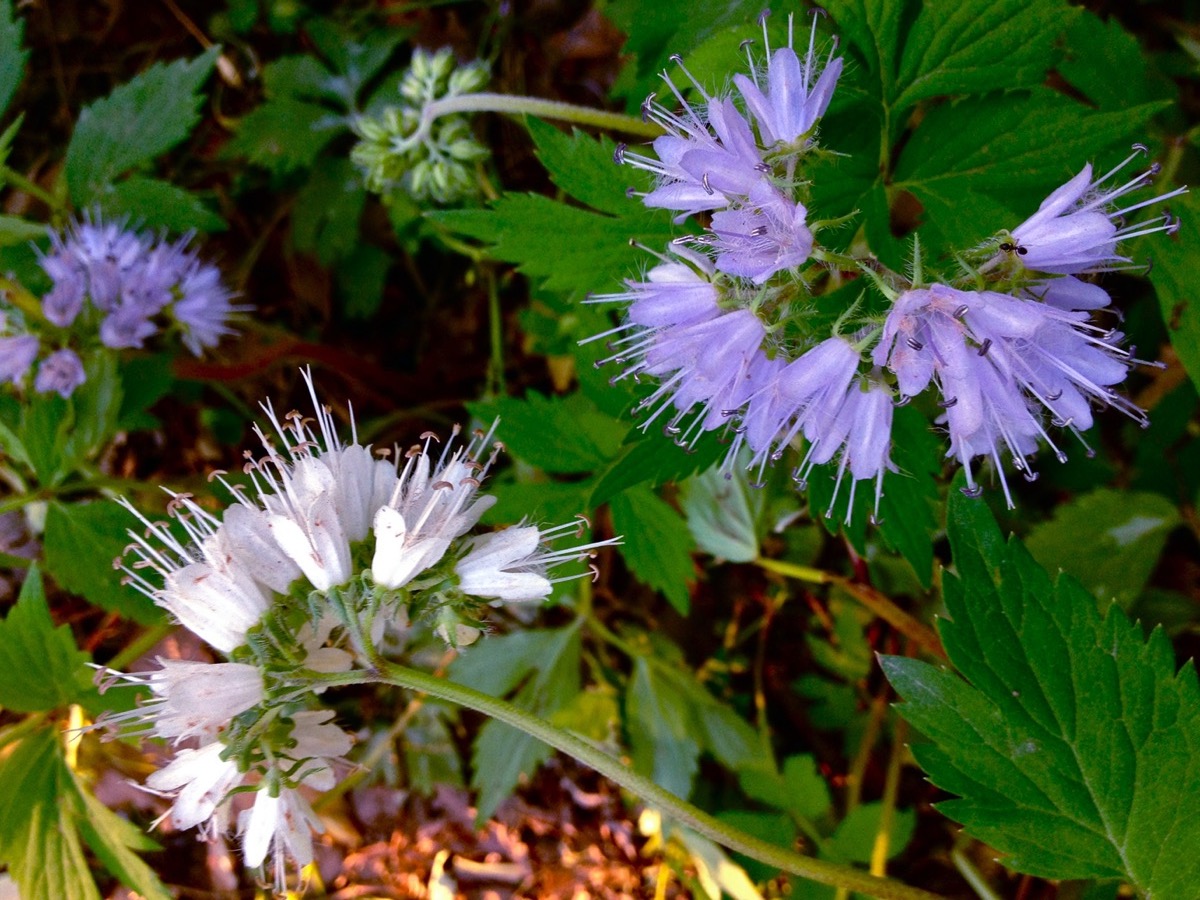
[280, 584]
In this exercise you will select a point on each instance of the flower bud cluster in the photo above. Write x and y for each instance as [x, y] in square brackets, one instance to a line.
[724, 322]
[404, 148]
[113, 286]
[327, 545]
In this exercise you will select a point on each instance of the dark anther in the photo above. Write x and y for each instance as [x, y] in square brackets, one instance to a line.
[961, 311]
[974, 491]
[914, 344]
[985, 347]
[946, 404]
[619, 154]
[707, 187]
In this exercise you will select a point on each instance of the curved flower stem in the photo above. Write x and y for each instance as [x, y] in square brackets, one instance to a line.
[681, 811]
[516, 105]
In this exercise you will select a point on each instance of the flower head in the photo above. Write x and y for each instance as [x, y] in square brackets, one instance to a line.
[1000, 362]
[60, 372]
[760, 237]
[1078, 227]
[132, 278]
[796, 96]
[707, 158]
[278, 585]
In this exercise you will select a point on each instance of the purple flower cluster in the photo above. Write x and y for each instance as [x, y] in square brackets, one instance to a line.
[714, 370]
[710, 160]
[1001, 362]
[132, 279]
[723, 327]
[122, 287]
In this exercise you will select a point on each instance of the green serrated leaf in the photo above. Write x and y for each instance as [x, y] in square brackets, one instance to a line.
[1071, 740]
[134, 124]
[43, 667]
[328, 208]
[657, 545]
[798, 789]
[113, 840]
[653, 460]
[431, 757]
[39, 811]
[556, 434]
[969, 163]
[1095, 49]
[92, 412]
[46, 424]
[282, 135]
[13, 56]
[566, 248]
[301, 77]
[81, 541]
[583, 166]
[154, 203]
[1174, 276]
[357, 59]
[1109, 540]
[873, 33]
[44, 809]
[551, 502]
[144, 380]
[972, 47]
[547, 661]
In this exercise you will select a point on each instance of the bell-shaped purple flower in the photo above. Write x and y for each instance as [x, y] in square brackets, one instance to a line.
[17, 354]
[999, 360]
[761, 236]
[795, 97]
[861, 428]
[1078, 227]
[705, 159]
[60, 372]
[126, 326]
[805, 391]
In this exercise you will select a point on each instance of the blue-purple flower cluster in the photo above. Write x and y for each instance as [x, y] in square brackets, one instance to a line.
[722, 321]
[117, 287]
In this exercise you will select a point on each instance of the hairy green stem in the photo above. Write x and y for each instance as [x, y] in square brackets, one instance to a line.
[681, 811]
[517, 105]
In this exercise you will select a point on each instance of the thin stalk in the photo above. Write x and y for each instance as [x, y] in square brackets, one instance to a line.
[878, 603]
[21, 183]
[683, 812]
[972, 875]
[518, 105]
[887, 815]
